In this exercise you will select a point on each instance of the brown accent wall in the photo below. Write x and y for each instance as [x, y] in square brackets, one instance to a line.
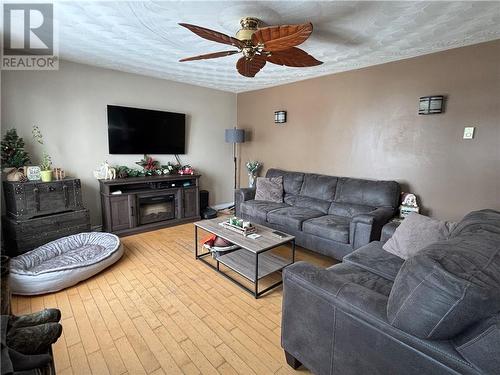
[364, 123]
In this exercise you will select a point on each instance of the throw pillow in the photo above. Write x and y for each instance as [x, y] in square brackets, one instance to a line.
[269, 189]
[415, 233]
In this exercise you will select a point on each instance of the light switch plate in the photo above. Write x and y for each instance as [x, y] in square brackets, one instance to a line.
[469, 132]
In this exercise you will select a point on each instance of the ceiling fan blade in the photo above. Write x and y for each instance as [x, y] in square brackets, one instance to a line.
[213, 35]
[293, 57]
[249, 68]
[210, 56]
[277, 38]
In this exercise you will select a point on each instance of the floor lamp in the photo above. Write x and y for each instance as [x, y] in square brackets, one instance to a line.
[235, 136]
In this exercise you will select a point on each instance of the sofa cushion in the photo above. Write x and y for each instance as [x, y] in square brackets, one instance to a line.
[335, 228]
[451, 284]
[269, 189]
[308, 202]
[415, 233]
[259, 209]
[319, 186]
[349, 209]
[367, 192]
[292, 181]
[374, 258]
[292, 217]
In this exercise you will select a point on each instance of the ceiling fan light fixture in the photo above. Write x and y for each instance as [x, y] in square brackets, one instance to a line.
[249, 26]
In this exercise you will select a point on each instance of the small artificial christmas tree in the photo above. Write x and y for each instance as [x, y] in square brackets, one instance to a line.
[13, 153]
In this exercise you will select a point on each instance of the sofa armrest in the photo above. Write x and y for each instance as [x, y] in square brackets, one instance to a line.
[242, 195]
[312, 300]
[388, 230]
[333, 288]
[365, 228]
[379, 215]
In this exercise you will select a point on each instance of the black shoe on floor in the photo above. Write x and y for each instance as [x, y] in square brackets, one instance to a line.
[34, 339]
[40, 317]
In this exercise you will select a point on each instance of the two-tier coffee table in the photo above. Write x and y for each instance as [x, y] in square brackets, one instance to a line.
[254, 260]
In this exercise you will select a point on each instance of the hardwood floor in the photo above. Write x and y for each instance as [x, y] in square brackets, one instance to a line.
[159, 311]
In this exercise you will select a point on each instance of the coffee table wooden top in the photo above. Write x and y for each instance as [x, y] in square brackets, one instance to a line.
[266, 241]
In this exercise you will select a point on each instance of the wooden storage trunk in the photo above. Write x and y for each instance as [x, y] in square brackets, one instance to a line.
[23, 236]
[26, 200]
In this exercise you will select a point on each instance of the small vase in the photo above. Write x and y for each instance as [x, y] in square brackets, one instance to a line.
[46, 176]
[251, 180]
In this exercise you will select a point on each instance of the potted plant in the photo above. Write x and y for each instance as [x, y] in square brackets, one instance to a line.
[252, 167]
[46, 168]
[46, 163]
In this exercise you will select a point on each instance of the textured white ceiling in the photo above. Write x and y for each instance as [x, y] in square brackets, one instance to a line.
[144, 38]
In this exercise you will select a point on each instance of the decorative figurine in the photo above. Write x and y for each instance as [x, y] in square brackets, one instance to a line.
[58, 173]
[186, 170]
[105, 172]
[408, 205]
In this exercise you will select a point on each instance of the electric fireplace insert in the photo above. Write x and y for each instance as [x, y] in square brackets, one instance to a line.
[156, 208]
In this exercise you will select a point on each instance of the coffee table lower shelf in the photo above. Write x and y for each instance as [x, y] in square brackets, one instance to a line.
[243, 262]
[252, 266]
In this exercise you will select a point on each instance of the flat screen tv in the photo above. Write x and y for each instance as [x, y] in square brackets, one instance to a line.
[145, 131]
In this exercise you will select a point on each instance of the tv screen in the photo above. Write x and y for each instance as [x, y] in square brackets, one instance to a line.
[145, 131]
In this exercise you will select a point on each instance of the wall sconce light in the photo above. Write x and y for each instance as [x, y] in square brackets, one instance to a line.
[279, 117]
[430, 105]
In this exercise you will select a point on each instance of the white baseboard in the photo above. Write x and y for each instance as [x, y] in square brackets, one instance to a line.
[222, 206]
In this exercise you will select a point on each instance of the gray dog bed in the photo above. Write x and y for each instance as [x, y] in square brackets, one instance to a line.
[63, 262]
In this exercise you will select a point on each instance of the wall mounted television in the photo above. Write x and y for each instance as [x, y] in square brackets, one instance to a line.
[145, 131]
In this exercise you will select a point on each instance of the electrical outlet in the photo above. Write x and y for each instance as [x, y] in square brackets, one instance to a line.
[469, 132]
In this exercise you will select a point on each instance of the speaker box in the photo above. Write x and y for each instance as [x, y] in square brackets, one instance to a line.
[203, 200]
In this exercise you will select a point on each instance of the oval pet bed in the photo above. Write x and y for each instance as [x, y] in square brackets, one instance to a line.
[63, 262]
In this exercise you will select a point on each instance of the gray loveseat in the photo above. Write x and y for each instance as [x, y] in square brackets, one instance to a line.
[436, 313]
[331, 215]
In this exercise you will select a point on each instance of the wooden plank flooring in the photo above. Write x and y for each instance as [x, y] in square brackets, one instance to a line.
[159, 311]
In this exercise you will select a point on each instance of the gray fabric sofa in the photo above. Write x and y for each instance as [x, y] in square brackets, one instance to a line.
[331, 215]
[435, 313]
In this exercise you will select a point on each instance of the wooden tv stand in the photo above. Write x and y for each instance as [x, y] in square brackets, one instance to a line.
[138, 204]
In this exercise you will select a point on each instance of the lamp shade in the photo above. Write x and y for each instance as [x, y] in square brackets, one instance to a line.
[235, 135]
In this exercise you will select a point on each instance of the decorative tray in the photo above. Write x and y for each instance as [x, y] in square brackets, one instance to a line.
[235, 228]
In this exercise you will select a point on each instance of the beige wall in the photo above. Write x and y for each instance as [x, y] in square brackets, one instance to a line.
[69, 106]
[365, 124]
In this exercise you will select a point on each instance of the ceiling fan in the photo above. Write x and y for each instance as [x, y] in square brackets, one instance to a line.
[274, 44]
